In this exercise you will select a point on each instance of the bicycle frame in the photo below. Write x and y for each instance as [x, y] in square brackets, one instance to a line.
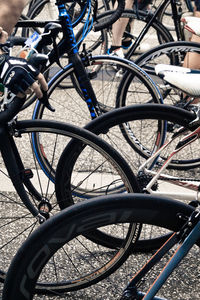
[186, 242]
[68, 45]
[152, 16]
[189, 184]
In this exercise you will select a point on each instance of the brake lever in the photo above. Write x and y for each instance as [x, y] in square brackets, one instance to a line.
[44, 100]
[38, 60]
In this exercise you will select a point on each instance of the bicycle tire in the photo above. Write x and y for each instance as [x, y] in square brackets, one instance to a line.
[16, 220]
[165, 16]
[105, 82]
[157, 30]
[170, 53]
[107, 126]
[161, 212]
[134, 115]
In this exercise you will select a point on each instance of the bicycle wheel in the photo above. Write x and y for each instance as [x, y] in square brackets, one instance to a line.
[59, 242]
[16, 220]
[143, 121]
[47, 10]
[165, 16]
[173, 54]
[106, 73]
[156, 34]
[94, 42]
[90, 173]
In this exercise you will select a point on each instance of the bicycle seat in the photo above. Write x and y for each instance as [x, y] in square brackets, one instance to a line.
[192, 24]
[182, 78]
[187, 19]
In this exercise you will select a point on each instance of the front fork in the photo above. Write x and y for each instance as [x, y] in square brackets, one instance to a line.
[17, 173]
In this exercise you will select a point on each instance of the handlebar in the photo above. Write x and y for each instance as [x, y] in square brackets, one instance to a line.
[10, 110]
[11, 104]
[110, 20]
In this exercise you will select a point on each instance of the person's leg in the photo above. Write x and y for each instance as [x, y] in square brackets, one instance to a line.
[118, 29]
[10, 12]
[121, 40]
[120, 25]
[197, 8]
[192, 60]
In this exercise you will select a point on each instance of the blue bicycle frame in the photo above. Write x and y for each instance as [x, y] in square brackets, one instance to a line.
[71, 48]
[188, 242]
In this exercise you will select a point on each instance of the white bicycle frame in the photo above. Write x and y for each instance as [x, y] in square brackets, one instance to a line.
[192, 186]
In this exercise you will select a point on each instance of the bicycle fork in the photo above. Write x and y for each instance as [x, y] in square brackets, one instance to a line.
[16, 172]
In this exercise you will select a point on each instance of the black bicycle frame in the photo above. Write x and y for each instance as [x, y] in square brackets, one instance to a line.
[16, 170]
[152, 16]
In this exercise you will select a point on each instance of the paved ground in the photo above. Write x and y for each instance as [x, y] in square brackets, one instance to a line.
[183, 284]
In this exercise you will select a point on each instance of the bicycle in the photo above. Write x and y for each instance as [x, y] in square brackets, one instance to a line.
[148, 26]
[112, 64]
[79, 188]
[93, 69]
[156, 111]
[158, 123]
[171, 54]
[37, 12]
[123, 97]
[28, 195]
[39, 250]
[164, 210]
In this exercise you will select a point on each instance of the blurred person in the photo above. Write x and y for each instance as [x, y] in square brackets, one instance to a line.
[15, 73]
[120, 43]
[192, 59]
